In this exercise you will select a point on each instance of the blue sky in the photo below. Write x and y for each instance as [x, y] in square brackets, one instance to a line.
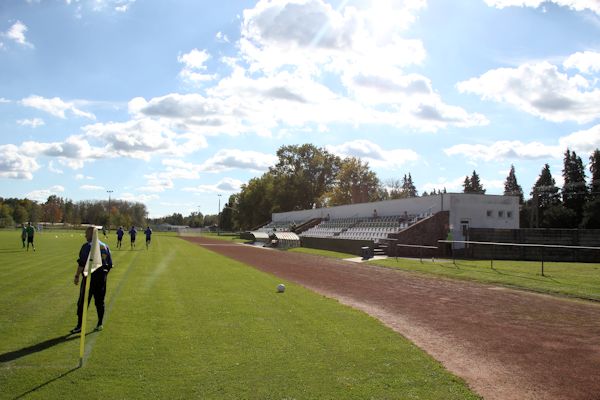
[172, 103]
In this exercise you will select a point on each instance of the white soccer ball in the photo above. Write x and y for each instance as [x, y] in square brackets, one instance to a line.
[280, 288]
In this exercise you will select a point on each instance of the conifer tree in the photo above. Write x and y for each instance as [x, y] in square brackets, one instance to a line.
[595, 170]
[574, 191]
[545, 192]
[408, 187]
[467, 188]
[511, 187]
[473, 184]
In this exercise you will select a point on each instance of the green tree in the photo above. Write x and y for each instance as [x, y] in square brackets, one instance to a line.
[545, 189]
[20, 214]
[473, 184]
[255, 202]
[559, 216]
[394, 189]
[544, 195]
[595, 170]
[574, 191]
[6, 219]
[53, 209]
[511, 187]
[591, 209]
[591, 214]
[356, 184]
[408, 188]
[227, 214]
[302, 175]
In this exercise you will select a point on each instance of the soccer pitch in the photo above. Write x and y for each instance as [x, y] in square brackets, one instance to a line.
[183, 322]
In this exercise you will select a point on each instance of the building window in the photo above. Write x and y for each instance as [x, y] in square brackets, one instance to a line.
[509, 214]
[500, 214]
[489, 213]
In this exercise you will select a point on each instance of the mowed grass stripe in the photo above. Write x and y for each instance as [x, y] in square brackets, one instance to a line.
[184, 322]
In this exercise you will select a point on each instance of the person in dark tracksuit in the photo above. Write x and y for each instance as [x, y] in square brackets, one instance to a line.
[120, 233]
[148, 233]
[23, 234]
[97, 284]
[30, 233]
[132, 234]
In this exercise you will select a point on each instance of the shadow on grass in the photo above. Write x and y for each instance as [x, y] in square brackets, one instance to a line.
[46, 383]
[25, 351]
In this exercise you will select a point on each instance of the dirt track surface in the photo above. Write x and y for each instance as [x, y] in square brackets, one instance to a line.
[506, 344]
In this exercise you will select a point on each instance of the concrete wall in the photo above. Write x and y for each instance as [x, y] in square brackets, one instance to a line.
[425, 233]
[340, 245]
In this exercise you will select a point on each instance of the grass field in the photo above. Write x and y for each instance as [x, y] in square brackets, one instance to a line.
[580, 280]
[183, 322]
[324, 253]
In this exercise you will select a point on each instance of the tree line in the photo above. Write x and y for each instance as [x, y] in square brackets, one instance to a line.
[307, 176]
[56, 209]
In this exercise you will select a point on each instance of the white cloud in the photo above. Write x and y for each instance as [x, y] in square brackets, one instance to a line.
[3, 100]
[577, 5]
[34, 122]
[228, 185]
[221, 37]
[374, 154]
[194, 67]
[584, 141]
[139, 198]
[156, 183]
[504, 149]
[53, 169]
[123, 5]
[364, 48]
[539, 89]
[451, 185]
[83, 177]
[141, 138]
[228, 159]
[587, 61]
[73, 152]
[91, 187]
[14, 164]
[55, 106]
[43, 194]
[276, 83]
[16, 33]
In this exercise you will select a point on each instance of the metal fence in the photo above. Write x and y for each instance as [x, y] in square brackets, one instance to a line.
[543, 249]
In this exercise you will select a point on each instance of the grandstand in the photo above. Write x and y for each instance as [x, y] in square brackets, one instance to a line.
[418, 220]
[368, 228]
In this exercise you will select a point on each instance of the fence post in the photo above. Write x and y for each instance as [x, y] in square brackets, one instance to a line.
[421, 254]
[492, 260]
[542, 261]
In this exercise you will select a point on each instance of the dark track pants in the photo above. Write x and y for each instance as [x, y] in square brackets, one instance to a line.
[98, 290]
